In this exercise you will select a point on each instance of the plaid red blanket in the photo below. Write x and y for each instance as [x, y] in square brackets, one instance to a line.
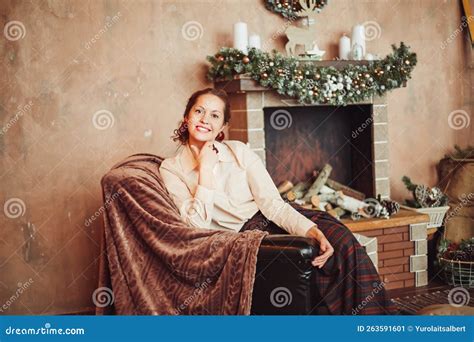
[348, 283]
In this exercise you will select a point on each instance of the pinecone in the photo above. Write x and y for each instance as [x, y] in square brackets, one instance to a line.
[469, 250]
[391, 206]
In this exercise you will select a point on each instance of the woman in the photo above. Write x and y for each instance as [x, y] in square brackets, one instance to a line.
[223, 184]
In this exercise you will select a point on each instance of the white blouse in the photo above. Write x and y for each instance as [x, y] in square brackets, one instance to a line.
[242, 187]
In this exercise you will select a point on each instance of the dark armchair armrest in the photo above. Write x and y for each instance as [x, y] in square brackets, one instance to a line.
[297, 248]
[283, 280]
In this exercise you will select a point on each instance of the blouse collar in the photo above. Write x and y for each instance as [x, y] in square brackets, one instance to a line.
[189, 163]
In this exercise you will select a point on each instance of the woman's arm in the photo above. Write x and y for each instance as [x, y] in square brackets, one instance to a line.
[269, 200]
[274, 208]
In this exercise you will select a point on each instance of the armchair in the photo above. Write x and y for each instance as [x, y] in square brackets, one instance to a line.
[284, 281]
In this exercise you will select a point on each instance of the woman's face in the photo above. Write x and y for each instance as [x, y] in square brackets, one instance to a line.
[206, 118]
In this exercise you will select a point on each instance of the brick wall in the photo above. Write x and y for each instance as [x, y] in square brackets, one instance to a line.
[402, 259]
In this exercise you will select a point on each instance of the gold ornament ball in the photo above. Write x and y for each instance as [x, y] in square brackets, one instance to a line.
[245, 60]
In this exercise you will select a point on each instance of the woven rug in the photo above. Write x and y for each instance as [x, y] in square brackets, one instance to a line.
[410, 305]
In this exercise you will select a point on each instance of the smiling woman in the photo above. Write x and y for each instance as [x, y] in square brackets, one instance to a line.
[223, 184]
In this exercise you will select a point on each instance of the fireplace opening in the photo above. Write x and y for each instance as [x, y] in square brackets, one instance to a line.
[301, 139]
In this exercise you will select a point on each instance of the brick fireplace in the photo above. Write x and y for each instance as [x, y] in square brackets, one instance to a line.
[252, 108]
[354, 140]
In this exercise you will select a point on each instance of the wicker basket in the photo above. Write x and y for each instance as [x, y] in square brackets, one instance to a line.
[436, 214]
[458, 273]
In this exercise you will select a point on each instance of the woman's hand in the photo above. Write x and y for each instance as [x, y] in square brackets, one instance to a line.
[325, 248]
[207, 156]
[207, 159]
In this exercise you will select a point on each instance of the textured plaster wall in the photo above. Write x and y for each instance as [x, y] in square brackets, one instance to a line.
[90, 82]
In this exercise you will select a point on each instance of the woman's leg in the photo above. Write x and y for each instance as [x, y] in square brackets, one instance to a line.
[348, 283]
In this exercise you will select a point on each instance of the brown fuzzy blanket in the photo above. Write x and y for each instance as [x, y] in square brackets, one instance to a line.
[152, 263]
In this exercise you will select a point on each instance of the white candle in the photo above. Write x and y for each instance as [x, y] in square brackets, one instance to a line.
[344, 47]
[254, 41]
[358, 37]
[240, 36]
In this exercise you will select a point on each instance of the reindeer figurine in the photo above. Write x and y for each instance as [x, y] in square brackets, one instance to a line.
[300, 36]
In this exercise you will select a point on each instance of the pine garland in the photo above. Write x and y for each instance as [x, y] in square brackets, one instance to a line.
[312, 84]
[289, 8]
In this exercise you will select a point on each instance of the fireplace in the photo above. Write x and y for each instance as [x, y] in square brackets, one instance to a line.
[299, 140]
[294, 139]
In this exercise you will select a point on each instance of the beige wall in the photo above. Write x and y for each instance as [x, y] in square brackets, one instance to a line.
[142, 70]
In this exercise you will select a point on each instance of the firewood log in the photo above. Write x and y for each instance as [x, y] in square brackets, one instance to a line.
[340, 212]
[322, 206]
[326, 190]
[325, 197]
[350, 204]
[300, 201]
[285, 187]
[315, 200]
[336, 186]
[337, 212]
[346, 190]
[330, 197]
[318, 183]
[298, 191]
